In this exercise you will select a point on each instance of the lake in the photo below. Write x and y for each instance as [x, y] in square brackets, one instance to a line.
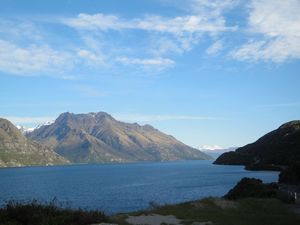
[117, 188]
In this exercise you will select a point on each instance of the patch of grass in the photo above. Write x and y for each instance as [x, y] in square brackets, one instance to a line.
[246, 211]
[36, 213]
[219, 211]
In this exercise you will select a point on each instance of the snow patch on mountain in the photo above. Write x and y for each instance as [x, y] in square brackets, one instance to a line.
[26, 130]
[210, 147]
[47, 123]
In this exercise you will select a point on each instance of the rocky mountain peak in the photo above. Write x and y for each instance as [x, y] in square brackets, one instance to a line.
[98, 137]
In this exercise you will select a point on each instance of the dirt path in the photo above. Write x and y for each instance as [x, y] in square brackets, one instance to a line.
[153, 219]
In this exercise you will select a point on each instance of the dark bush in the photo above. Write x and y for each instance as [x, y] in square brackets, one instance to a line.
[35, 213]
[251, 187]
[286, 197]
[291, 175]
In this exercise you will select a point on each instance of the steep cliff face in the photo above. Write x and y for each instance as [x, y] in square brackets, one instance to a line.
[278, 148]
[98, 137]
[17, 150]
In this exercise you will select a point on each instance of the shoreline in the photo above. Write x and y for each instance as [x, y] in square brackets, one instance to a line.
[105, 163]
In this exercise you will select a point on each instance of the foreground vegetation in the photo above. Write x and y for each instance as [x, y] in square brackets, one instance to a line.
[219, 211]
[35, 213]
[249, 202]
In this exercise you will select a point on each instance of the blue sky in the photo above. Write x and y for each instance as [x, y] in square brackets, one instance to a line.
[208, 72]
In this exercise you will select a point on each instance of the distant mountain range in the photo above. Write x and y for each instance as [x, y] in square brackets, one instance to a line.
[17, 150]
[24, 129]
[275, 150]
[98, 137]
[215, 153]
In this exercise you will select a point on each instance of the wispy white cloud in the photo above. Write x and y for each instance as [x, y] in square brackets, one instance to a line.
[214, 48]
[43, 60]
[163, 45]
[159, 63]
[215, 8]
[91, 58]
[177, 25]
[152, 118]
[273, 34]
[176, 34]
[33, 60]
[278, 24]
[30, 49]
[20, 30]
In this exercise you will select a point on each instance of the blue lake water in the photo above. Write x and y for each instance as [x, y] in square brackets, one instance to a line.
[117, 188]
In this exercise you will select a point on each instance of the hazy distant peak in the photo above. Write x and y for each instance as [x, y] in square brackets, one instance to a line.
[210, 147]
[24, 129]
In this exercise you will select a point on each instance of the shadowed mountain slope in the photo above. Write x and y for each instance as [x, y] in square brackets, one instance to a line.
[276, 149]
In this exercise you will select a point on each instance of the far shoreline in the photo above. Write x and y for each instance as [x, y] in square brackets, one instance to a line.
[105, 163]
